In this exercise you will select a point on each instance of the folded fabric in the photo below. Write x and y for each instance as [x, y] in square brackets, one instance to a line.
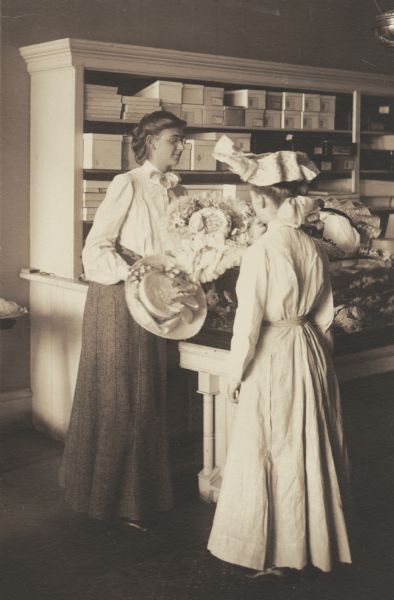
[339, 231]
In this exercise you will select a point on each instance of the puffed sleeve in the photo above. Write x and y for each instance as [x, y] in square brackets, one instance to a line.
[251, 292]
[323, 313]
[101, 262]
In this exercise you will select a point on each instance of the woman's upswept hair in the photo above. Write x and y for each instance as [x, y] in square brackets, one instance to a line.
[280, 191]
[152, 124]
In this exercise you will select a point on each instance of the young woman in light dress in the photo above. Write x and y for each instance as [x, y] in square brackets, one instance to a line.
[282, 501]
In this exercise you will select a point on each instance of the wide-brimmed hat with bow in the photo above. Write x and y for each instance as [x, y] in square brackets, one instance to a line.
[264, 170]
[163, 299]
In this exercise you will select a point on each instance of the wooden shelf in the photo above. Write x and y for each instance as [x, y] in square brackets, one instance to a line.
[104, 125]
[377, 132]
[186, 176]
[377, 172]
[197, 176]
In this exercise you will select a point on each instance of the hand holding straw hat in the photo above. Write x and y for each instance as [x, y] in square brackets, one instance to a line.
[163, 299]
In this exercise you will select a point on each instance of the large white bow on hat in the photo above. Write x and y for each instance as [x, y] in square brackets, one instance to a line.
[295, 211]
[265, 169]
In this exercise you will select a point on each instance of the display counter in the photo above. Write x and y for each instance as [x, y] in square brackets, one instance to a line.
[56, 312]
[363, 329]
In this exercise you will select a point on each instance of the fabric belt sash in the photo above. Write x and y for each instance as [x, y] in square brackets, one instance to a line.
[128, 255]
[293, 322]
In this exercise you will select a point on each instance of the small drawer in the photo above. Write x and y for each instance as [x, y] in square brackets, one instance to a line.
[311, 102]
[213, 96]
[272, 119]
[292, 101]
[327, 121]
[234, 115]
[212, 115]
[254, 118]
[201, 158]
[246, 98]
[274, 100]
[192, 94]
[102, 151]
[310, 120]
[327, 104]
[192, 114]
[291, 119]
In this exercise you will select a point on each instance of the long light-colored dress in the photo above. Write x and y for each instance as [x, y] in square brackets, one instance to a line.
[283, 495]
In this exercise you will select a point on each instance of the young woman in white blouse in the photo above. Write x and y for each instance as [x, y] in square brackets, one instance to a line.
[115, 462]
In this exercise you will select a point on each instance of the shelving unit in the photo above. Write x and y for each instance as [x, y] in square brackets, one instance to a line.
[59, 70]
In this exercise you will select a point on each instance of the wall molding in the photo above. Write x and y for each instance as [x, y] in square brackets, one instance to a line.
[128, 58]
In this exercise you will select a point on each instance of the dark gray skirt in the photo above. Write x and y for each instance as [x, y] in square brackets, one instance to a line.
[115, 462]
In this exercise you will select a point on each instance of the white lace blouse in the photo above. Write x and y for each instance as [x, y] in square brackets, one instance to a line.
[131, 214]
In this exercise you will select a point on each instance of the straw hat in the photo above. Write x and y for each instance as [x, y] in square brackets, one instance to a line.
[162, 299]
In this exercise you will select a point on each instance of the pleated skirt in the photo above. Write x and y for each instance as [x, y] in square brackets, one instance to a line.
[115, 462]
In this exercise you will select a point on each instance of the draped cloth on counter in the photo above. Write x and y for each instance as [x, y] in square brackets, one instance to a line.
[285, 484]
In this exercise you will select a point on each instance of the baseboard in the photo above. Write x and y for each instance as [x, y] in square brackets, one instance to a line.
[16, 407]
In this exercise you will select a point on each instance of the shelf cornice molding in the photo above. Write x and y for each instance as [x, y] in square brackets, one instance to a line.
[159, 62]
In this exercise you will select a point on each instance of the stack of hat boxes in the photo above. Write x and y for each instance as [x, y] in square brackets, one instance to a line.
[201, 105]
[198, 105]
[93, 194]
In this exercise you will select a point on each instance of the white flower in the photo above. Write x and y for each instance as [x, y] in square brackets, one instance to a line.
[210, 220]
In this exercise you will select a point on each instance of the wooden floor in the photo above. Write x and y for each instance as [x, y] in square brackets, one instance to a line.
[51, 553]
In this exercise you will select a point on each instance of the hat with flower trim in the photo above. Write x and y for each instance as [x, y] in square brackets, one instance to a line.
[163, 299]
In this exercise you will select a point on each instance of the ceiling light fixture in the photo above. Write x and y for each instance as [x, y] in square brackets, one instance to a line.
[384, 28]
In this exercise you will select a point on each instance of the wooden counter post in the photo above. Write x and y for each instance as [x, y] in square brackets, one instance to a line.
[208, 386]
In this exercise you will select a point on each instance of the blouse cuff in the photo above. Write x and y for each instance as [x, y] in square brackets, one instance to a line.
[124, 271]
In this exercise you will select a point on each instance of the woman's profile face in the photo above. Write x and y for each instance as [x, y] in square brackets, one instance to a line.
[166, 148]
